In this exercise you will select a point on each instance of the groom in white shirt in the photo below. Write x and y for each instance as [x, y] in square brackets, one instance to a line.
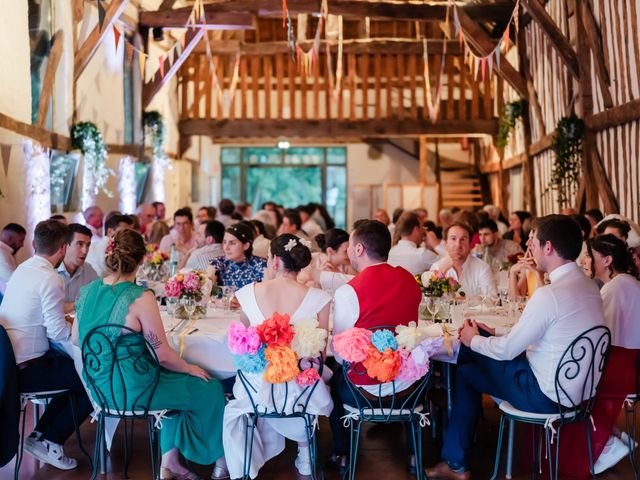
[520, 367]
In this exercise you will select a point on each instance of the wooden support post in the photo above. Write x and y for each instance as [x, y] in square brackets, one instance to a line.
[364, 80]
[49, 78]
[279, 85]
[423, 159]
[412, 86]
[267, 86]
[243, 87]
[377, 71]
[255, 86]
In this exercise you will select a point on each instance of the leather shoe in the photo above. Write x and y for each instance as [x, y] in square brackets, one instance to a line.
[442, 471]
[411, 464]
[337, 462]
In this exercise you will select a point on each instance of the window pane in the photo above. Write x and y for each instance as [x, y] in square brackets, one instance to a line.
[142, 177]
[288, 186]
[337, 155]
[230, 155]
[304, 156]
[128, 79]
[262, 156]
[231, 183]
[40, 32]
[63, 169]
[336, 196]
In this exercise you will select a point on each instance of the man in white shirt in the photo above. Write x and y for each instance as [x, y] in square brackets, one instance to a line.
[146, 214]
[495, 251]
[93, 218]
[494, 214]
[11, 240]
[406, 253]
[32, 315]
[185, 239]
[292, 223]
[201, 257]
[520, 366]
[96, 254]
[473, 274]
[74, 269]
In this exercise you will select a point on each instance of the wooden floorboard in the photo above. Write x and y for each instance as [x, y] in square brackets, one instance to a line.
[382, 455]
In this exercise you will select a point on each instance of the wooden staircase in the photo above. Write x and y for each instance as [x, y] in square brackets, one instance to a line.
[460, 186]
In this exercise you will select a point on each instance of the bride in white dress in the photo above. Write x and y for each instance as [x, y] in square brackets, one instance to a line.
[278, 293]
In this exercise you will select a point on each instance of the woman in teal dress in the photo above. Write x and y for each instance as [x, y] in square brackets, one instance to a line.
[196, 431]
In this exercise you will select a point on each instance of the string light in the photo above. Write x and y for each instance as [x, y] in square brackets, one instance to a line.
[127, 185]
[38, 185]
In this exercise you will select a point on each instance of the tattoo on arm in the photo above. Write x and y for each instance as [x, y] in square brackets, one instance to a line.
[153, 339]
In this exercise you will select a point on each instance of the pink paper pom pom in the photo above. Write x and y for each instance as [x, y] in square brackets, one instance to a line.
[409, 371]
[307, 377]
[243, 340]
[353, 344]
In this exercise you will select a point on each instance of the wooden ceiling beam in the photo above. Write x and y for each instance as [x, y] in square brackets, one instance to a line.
[555, 36]
[336, 129]
[86, 51]
[484, 45]
[49, 78]
[594, 40]
[357, 46]
[149, 89]
[348, 8]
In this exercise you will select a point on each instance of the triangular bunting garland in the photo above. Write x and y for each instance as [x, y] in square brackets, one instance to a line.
[498, 58]
[116, 36]
[161, 65]
[506, 39]
[490, 62]
[142, 59]
[129, 48]
[5, 152]
[483, 65]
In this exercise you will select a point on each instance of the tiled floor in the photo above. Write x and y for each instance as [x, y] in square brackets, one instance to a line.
[382, 456]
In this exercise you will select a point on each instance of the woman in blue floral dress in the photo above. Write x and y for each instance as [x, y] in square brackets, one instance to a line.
[238, 267]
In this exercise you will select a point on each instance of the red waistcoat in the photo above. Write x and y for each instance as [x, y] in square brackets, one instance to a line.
[387, 296]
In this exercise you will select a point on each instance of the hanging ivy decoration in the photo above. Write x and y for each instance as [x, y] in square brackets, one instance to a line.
[567, 146]
[86, 137]
[512, 112]
[154, 128]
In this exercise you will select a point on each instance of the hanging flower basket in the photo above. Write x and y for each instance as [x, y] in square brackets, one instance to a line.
[86, 137]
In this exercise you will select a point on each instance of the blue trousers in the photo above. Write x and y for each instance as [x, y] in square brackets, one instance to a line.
[511, 380]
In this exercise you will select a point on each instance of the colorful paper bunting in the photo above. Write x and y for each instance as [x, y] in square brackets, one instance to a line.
[116, 36]
[161, 65]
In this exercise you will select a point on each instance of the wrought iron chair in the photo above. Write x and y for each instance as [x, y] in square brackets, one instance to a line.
[280, 409]
[407, 406]
[583, 360]
[126, 360]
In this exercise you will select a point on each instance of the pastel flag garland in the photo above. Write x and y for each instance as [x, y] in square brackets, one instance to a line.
[116, 36]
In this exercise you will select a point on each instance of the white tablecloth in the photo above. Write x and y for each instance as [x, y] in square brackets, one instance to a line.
[206, 346]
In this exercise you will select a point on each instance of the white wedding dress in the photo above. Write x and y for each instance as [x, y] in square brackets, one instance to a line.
[269, 437]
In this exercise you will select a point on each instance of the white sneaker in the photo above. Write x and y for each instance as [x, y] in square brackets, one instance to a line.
[613, 452]
[49, 452]
[303, 462]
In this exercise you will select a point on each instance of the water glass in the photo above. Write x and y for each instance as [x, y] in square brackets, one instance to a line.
[172, 306]
[189, 305]
[228, 291]
[433, 305]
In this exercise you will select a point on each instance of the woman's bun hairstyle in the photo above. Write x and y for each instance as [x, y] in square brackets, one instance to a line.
[125, 251]
[293, 253]
[333, 238]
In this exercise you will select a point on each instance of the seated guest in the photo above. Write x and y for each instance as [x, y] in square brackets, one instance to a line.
[60, 218]
[244, 210]
[309, 225]
[406, 252]
[161, 210]
[226, 207]
[11, 240]
[516, 228]
[239, 266]
[494, 214]
[96, 254]
[615, 226]
[445, 218]
[332, 257]
[158, 230]
[520, 367]
[206, 214]
[32, 315]
[594, 216]
[93, 218]
[278, 293]
[195, 431]
[185, 239]
[370, 299]
[611, 264]
[397, 213]
[146, 215]
[201, 257]
[524, 276]
[495, 250]
[292, 223]
[74, 269]
[473, 274]
[261, 242]
[382, 216]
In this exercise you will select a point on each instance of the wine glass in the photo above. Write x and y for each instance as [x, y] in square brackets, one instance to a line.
[189, 304]
[172, 305]
[433, 306]
[228, 291]
[445, 309]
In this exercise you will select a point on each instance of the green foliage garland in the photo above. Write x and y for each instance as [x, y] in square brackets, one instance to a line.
[154, 127]
[512, 112]
[567, 145]
[86, 137]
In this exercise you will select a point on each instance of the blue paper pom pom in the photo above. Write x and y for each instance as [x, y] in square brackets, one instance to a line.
[383, 339]
[251, 363]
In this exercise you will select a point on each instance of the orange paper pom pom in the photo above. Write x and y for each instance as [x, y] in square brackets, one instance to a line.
[382, 366]
[282, 366]
[276, 331]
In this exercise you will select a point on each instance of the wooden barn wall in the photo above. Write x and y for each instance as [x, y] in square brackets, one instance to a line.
[619, 147]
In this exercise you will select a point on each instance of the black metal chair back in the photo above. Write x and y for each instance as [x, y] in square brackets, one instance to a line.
[583, 361]
[123, 359]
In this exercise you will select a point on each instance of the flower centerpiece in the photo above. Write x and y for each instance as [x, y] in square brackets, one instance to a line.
[154, 262]
[189, 283]
[387, 356]
[437, 284]
[275, 348]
